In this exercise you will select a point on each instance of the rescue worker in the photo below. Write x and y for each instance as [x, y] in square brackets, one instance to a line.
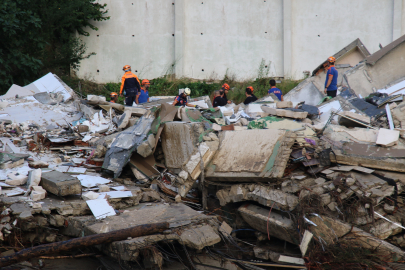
[181, 100]
[114, 97]
[143, 95]
[218, 99]
[273, 89]
[225, 88]
[331, 78]
[129, 83]
[249, 96]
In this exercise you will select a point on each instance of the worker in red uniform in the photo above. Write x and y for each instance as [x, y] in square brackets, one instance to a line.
[143, 95]
[114, 97]
[130, 83]
[225, 88]
[331, 78]
[181, 100]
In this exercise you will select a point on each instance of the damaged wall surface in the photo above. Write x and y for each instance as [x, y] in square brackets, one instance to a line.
[188, 34]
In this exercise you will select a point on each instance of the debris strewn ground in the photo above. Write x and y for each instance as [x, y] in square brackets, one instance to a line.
[309, 182]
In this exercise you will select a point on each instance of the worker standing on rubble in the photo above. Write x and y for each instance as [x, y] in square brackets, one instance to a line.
[114, 97]
[181, 100]
[273, 89]
[225, 88]
[331, 78]
[143, 95]
[218, 99]
[130, 83]
[249, 96]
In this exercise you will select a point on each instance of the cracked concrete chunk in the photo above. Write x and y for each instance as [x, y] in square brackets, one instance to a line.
[261, 218]
[60, 184]
[201, 237]
[25, 215]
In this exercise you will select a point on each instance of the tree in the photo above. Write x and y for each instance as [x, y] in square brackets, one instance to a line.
[40, 35]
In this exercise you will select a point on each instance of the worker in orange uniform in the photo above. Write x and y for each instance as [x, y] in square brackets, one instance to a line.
[225, 88]
[129, 83]
[143, 95]
[114, 97]
[331, 78]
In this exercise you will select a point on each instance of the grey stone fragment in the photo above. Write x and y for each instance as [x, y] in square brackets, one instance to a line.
[201, 237]
[25, 215]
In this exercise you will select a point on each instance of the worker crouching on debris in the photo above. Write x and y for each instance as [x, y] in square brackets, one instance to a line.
[225, 88]
[114, 97]
[331, 78]
[181, 100]
[143, 95]
[218, 99]
[273, 89]
[130, 84]
[249, 96]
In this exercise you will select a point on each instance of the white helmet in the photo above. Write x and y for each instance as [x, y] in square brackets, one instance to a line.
[187, 91]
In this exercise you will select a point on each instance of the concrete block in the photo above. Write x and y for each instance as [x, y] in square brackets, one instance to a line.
[61, 184]
[38, 164]
[90, 195]
[201, 237]
[276, 224]
[284, 104]
[16, 179]
[151, 141]
[103, 188]
[38, 193]
[384, 229]
[25, 215]
[144, 149]
[57, 220]
[184, 137]
[291, 114]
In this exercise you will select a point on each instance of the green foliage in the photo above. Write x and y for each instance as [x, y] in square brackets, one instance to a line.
[38, 36]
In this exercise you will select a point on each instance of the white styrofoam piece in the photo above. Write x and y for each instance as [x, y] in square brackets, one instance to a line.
[100, 208]
[11, 147]
[50, 84]
[115, 194]
[92, 181]
[254, 108]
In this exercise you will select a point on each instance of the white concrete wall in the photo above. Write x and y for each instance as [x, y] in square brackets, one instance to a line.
[233, 36]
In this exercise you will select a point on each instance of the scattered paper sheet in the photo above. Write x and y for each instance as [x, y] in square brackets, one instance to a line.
[119, 188]
[92, 181]
[100, 208]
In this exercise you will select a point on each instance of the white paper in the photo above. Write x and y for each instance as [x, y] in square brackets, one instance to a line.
[100, 208]
[92, 181]
[119, 188]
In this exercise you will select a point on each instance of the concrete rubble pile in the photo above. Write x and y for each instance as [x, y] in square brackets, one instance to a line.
[271, 183]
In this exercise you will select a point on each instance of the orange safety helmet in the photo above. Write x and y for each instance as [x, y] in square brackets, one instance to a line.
[113, 94]
[145, 82]
[126, 68]
[250, 87]
[332, 59]
[225, 86]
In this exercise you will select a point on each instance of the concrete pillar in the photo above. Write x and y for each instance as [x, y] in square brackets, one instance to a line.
[397, 19]
[287, 40]
[179, 40]
[403, 18]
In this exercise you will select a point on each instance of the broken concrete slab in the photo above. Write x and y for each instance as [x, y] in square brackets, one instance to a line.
[264, 195]
[387, 137]
[34, 178]
[273, 223]
[332, 229]
[370, 156]
[284, 113]
[181, 218]
[284, 104]
[181, 136]
[264, 159]
[266, 254]
[37, 193]
[60, 184]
